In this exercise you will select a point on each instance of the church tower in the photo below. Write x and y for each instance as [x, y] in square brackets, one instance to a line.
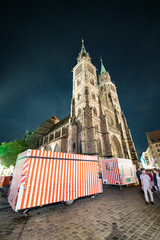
[84, 106]
[122, 145]
[97, 125]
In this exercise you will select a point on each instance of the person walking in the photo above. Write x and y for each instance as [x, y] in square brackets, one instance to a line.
[151, 176]
[146, 186]
[138, 173]
[156, 179]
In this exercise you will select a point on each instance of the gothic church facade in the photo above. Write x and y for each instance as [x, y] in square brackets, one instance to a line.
[96, 124]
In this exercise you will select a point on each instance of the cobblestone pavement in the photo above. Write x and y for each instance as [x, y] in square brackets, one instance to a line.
[115, 214]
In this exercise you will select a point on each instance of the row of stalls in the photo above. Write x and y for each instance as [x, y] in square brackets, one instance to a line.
[45, 177]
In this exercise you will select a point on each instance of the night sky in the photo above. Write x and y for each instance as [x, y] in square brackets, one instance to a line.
[39, 44]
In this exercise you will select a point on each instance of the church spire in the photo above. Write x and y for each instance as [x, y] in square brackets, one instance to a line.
[83, 50]
[104, 75]
[103, 70]
[83, 53]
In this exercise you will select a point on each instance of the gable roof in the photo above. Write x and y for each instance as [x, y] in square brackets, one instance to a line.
[45, 127]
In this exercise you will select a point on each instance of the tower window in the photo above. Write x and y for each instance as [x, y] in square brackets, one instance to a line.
[78, 82]
[95, 111]
[90, 69]
[78, 70]
[79, 96]
[93, 96]
[96, 127]
[79, 111]
[92, 82]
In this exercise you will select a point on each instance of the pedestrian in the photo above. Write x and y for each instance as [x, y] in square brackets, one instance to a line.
[146, 186]
[156, 179]
[138, 173]
[151, 176]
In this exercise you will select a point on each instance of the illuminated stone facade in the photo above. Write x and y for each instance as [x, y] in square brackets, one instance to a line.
[96, 124]
[154, 146]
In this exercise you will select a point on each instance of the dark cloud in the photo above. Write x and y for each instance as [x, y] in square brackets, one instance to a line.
[39, 45]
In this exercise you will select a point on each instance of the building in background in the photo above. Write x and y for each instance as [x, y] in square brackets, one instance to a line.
[96, 124]
[153, 139]
[147, 159]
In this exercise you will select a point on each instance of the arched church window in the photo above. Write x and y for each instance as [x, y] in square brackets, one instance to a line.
[116, 147]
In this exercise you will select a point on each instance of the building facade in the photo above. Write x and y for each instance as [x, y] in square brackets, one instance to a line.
[153, 139]
[96, 124]
[147, 159]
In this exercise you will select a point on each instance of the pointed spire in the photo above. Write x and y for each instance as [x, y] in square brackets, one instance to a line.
[103, 70]
[83, 53]
[104, 75]
[83, 50]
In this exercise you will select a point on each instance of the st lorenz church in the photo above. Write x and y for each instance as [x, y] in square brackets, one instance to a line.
[96, 125]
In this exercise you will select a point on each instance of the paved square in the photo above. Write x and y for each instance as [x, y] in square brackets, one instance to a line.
[115, 214]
